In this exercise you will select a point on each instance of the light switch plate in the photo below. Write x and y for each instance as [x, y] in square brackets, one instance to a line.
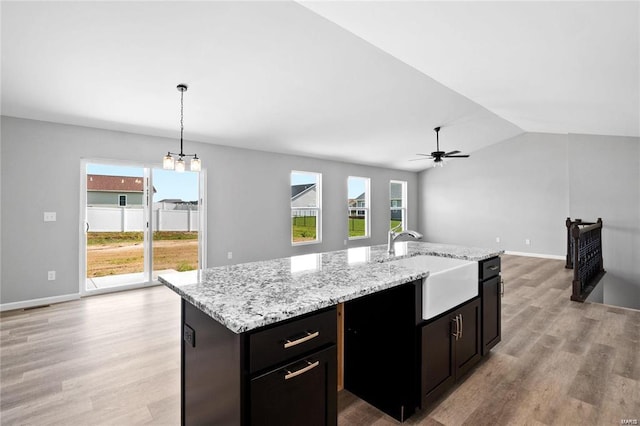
[49, 216]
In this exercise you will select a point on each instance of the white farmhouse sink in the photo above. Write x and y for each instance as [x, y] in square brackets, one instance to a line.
[450, 282]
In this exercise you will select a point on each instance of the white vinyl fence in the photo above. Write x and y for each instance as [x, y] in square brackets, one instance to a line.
[126, 219]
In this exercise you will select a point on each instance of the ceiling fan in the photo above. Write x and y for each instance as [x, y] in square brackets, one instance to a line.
[439, 156]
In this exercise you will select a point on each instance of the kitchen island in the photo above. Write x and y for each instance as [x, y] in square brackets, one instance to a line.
[259, 339]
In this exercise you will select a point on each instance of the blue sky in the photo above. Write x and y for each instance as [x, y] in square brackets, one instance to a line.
[168, 184]
[356, 186]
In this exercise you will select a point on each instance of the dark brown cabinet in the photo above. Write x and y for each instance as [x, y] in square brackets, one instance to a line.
[490, 289]
[450, 347]
[380, 348]
[286, 373]
[298, 393]
[283, 374]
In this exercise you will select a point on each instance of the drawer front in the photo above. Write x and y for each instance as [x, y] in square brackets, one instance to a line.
[282, 342]
[489, 268]
[302, 392]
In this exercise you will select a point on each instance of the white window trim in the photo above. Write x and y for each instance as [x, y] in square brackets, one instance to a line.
[125, 200]
[367, 208]
[318, 210]
[403, 209]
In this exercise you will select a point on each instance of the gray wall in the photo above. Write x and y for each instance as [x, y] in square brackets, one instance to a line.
[514, 190]
[604, 181]
[525, 188]
[235, 177]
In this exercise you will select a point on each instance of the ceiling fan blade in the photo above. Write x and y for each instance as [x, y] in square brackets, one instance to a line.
[452, 152]
[419, 159]
[457, 156]
[426, 155]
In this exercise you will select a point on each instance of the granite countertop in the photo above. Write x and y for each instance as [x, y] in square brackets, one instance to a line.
[250, 295]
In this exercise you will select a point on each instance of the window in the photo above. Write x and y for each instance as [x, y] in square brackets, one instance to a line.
[305, 207]
[358, 207]
[398, 202]
[122, 200]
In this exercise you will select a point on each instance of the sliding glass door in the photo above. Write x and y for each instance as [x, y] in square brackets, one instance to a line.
[137, 222]
[175, 221]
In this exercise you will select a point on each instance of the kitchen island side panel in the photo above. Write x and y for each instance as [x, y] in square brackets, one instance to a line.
[211, 370]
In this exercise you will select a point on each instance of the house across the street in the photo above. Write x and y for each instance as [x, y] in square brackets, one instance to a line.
[115, 191]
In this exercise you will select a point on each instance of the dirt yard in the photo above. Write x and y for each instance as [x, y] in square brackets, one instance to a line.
[125, 258]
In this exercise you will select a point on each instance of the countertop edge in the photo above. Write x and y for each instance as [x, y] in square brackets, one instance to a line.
[189, 285]
[238, 328]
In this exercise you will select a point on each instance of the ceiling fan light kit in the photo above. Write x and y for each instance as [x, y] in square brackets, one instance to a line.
[169, 162]
[439, 156]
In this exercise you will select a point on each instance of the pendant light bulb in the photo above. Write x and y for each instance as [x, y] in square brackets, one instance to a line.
[168, 163]
[195, 165]
[180, 165]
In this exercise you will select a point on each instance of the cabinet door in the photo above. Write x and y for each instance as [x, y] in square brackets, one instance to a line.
[491, 313]
[211, 370]
[467, 346]
[437, 368]
[380, 346]
[300, 393]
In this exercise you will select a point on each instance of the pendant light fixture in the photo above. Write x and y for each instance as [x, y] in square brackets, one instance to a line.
[170, 163]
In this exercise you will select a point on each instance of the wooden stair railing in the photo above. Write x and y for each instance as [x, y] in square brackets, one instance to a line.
[584, 256]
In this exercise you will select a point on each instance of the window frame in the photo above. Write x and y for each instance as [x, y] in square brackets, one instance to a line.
[366, 208]
[317, 209]
[120, 198]
[403, 208]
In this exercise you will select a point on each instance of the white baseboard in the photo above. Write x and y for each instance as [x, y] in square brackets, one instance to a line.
[543, 256]
[38, 302]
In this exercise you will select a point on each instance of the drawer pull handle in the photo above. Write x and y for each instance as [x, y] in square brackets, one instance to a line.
[289, 343]
[461, 326]
[310, 366]
[457, 331]
[494, 268]
[502, 288]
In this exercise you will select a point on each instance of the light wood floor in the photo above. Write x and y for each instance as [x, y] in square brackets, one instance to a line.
[114, 359]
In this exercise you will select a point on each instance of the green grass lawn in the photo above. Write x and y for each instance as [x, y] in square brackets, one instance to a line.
[303, 228]
[97, 238]
[356, 227]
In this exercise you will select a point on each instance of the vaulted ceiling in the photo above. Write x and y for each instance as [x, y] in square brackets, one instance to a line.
[362, 82]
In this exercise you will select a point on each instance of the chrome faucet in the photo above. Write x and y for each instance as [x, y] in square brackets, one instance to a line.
[400, 236]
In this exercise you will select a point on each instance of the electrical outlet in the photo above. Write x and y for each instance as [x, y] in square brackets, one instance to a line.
[49, 216]
[345, 242]
[527, 242]
[51, 275]
[229, 255]
[497, 239]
